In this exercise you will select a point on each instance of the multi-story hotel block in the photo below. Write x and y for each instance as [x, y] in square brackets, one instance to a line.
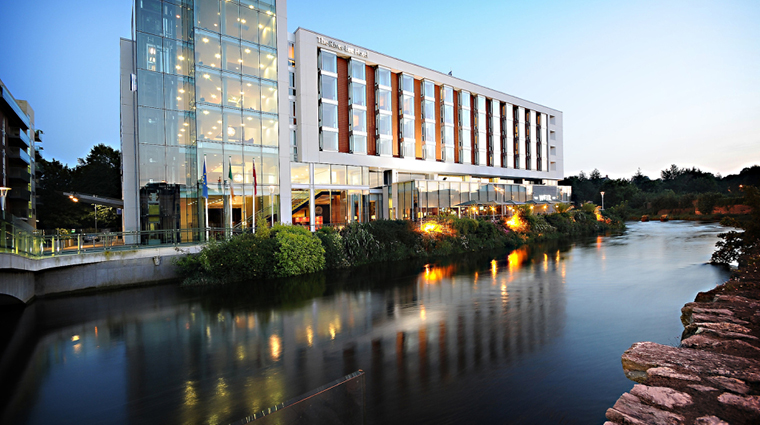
[330, 132]
[18, 139]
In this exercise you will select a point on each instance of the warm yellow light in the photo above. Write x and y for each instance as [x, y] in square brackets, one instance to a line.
[275, 345]
[75, 338]
[205, 112]
[431, 227]
[205, 40]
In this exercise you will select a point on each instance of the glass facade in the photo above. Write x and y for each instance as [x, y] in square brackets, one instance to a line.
[328, 101]
[480, 130]
[465, 155]
[428, 120]
[207, 93]
[358, 106]
[406, 116]
[447, 124]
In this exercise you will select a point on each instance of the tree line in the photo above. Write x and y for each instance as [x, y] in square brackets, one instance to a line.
[99, 173]
[676, 189]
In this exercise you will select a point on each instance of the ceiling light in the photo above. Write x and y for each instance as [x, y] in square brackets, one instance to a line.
[205, 40]
[205, 112]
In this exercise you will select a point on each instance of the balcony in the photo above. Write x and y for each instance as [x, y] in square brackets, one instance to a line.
[19, 193]
[19, 155]
[19, 138]
[17, 117]
[20, 174]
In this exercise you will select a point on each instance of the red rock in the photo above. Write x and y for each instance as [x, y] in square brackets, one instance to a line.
[630, 410]
[710, 420]
[749, 403]
[702, 388]
[661, 396]
[730, 384]
[645, 355]
[666, 372]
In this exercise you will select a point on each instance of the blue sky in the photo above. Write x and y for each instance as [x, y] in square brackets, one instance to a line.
[641, 84]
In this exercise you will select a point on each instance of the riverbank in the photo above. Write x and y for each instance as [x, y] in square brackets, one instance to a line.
[713, 377]
[286, 251]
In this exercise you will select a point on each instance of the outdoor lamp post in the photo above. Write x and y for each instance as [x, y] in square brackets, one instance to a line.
[602, 199]
[3, 193]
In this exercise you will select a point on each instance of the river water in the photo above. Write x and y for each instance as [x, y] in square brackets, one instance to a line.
[532, 336]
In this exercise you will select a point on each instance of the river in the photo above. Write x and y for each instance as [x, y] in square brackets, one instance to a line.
[532, 336]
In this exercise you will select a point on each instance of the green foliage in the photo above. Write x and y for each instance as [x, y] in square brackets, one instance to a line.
[97, 174]
[706, 202]
[588, 207]
[335, 252]
[562, 207]
[298, 252]
[360, 245]
[738, 246]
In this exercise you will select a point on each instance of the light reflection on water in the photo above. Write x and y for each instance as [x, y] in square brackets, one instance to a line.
[505, 338]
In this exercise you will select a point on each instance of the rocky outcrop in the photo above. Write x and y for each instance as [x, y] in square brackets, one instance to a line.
[713, 377]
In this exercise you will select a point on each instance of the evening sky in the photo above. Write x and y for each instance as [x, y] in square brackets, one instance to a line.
[641, 84]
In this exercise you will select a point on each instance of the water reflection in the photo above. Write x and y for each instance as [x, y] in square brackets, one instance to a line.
[437, 344]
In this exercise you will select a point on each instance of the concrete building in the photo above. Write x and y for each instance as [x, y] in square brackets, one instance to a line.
[18, 139]
[330, 132]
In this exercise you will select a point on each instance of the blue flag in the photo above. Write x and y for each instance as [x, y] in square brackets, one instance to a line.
[205, 180]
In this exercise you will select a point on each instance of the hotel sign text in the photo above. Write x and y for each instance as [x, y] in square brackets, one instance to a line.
[342, 47]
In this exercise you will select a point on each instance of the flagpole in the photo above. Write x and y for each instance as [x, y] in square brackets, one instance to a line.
[231, 192]
[205, 192]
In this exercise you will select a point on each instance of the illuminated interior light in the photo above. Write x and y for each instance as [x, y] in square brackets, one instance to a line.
[186, 124]
[213, 128]
[181, 90]
[205, 112]
[230, 131]
[179, 98]
[218, 56]
[206, 76]
[248, 50]
[181, 58]
[248, 84]
[205, 39]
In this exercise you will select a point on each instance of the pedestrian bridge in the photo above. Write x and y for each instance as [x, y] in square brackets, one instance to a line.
[36, 265]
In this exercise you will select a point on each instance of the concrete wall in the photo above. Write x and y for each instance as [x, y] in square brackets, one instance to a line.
[24, 279]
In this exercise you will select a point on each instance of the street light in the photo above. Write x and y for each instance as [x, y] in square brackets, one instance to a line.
[3, 193]
[602, 199]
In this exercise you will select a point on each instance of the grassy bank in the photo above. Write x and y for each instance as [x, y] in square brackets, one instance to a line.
[292, 250]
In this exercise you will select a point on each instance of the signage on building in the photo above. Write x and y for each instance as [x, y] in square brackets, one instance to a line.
[342, 47]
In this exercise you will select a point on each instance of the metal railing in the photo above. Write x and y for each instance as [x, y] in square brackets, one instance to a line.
[15, 240]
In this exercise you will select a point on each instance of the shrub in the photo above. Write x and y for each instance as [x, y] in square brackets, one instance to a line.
[298, 252]
[360, 245]
[562, 207]
[335, 252]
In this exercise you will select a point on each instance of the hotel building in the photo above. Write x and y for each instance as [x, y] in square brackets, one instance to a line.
[335, 132]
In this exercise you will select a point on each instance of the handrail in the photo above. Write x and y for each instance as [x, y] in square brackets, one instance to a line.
[15, 240]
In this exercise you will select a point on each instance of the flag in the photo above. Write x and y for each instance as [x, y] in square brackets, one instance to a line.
[255, 188]
[205, 180]
[232, 191]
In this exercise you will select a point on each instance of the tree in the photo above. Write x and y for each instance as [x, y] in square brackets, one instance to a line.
[54, 210]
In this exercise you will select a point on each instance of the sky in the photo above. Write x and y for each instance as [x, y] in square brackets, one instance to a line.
[641, 84]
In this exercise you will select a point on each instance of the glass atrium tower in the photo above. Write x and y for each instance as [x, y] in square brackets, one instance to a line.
[199, 91]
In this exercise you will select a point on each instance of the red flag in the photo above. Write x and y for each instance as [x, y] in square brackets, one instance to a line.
[255, 184]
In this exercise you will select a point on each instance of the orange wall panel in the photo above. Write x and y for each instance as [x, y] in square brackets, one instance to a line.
[343, 117]
[371, 117]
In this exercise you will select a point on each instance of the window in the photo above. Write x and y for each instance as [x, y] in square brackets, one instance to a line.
[251, 128]
[251, 94]
[250, 56]
[428, 112]
[151, 129]
[329, 115]
[150, 89]
[150, 52]
[231, 58]
[328, 87]
[448, 114]
[383, 77]
[249, 24]
[268, 64]
[359, 120]
[291, 54]
[384, 126]
[383, 100]
[407, 128]
[428, 89]
[232, 91]
[358, 94]
[231, 19]
[358, 69]
[179, 93]
[407, 83]
[210, 124]
[269, 131]
[149, 16]
[429, 132]
[208, 50]
[407, 103]
[269, 97]
[207, 14]
[328, 62]
[267, 30]
[209, 87]
[178, 58]
[299, 173]
[358, 144]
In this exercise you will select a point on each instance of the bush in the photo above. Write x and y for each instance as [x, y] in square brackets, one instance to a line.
[335, 252]
[298, 252]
